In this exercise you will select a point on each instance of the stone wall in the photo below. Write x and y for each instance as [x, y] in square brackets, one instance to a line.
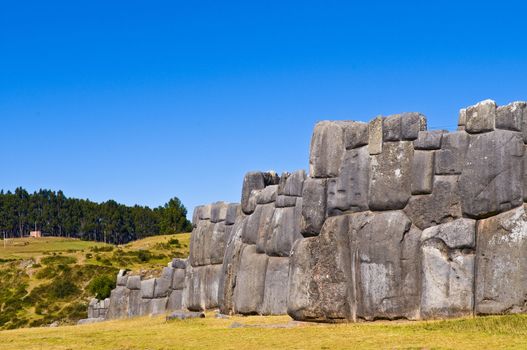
[393, 222]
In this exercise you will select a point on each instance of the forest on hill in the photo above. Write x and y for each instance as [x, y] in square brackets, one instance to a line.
[57, 215]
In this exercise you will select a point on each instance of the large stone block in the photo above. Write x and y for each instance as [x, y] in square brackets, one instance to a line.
[118, 303]
[512, 116]
[385, 264]
[314, 197]
[134, 282]
[292, 184]
[218, 212]
[265, 227]
[422, 172]
[320, 281]
[250, 282]
[276, 286]
[217, 243]
[411, 124]
[210, 285]
[204, 212]
[285, 230]
[162, 285]
[448, 256]
[285, 201]
[501, 273]
[195, 216]
[442, 206]
[349, 191]
[375, 136]
[134, 303]
[390, 176]
[233, 210]
[355, 134]
[391, 128]
[481, 117]
[158, 306]
[122, 278]
[175, 300]
[451, 158]
[252, 226]
[147, 288]
[178, 279]
[267, 195]
[200, 243]
[252, 181]
[492, 178]
[327, 149]
[429, 140]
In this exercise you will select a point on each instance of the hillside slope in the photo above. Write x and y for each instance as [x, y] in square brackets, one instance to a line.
[45, 280]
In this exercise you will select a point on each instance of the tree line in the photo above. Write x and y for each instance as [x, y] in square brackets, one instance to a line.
[57, 215]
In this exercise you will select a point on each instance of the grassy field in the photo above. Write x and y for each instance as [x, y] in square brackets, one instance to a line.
[44, 280]
[154, 333]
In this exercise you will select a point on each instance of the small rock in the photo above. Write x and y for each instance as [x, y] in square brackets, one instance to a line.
[183, 315]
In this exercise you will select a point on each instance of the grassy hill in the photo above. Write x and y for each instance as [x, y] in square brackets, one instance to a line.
[44, 280]
[278, 332]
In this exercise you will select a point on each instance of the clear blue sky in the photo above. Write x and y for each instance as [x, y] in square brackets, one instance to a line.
[140, 101]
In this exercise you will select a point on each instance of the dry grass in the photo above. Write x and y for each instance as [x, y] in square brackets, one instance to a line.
[505, 332]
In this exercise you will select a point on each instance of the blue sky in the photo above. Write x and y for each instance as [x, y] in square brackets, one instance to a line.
[140, 101]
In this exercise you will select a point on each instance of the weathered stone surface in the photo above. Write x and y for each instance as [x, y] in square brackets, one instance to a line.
[385, 251]
[285, 201]
[276, 286]
[501, 274]
[314, 206]
[429, 140]
[118, 303]
[451, 158]
[375, 135]
[462, 120]
[491, 181]
[442, 206]
[411, 124]
[265, 227]
[175, 300]
[122, 278]
[448, 257]
[217, 243]
[267, 195]
[285, 230]
[179, 263]
[147, 288]
[252, 226]
[134, 303]
[233, 210]
[390, 176]
[292, 184]
[182, 315]
[355, 134]
[391, 128]
[134, 282]
[201, 287]
[320, 275]
[481, 117]
[422, 172]
[178, 279]
[218, 212]
[250, 282]
[349, 191]
[204, 212]
[158, 306]
[162, 285]
[251, 181]
[195, 216]
[327, 149]
[511, 116]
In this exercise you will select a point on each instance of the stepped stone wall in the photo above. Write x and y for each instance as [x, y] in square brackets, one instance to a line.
[393, 222]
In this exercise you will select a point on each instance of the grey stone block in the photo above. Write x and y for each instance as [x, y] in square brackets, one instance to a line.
[233, 210]
[314, 196]
[501, 274]
[442, 206]
[217, 243]
[250, 282]
[285, 230]
[276, 286]
[162, 286]
[158, 306]
[195, 216]
[285, 201]
[147, 288]
[422, 172]
[251, 181]
[511, 116]
[205, 212]
[390, 176]
[349, 191]
[252, 226]
[122, 278]
[429, 140]
[175, 300]
[451, 158]
[118, 303]
[327, 149]
[182, 315]
[411, 124]
[292, 184]
[481, 117]
[385, 262]
[179, 263]
[134, 282]
[355, 134]
[178, 279]
[391, 128]
[218, 212]
[134, 303]
[320, 281]
[375, 136]
[492, 178]
[267, 195]
[462, 120]
[265, 227]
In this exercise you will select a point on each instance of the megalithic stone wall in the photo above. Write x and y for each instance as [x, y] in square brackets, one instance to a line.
[393, 222]
[400, 222]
